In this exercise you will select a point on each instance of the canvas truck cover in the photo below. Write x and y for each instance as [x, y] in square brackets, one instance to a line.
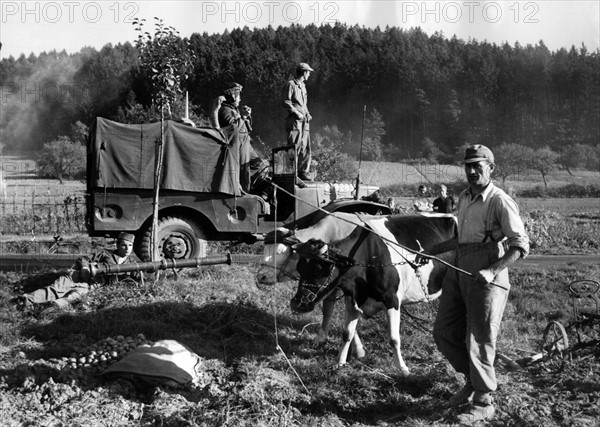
[195, 159]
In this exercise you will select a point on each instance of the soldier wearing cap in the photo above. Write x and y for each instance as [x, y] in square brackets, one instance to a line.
[297, 128]
[491, 237]
[228, 115]
[74, 285]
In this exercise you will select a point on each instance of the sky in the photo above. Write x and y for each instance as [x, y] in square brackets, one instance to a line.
[36, 26]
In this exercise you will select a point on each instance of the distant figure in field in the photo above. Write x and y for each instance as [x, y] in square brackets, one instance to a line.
[444, 203]
[392, 205]
[421, 202]
[2, 185]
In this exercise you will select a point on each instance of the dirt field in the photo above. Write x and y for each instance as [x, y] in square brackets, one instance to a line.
[261, 366]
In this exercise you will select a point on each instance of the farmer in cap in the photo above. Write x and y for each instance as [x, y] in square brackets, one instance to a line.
[297, 126]
[228, 116]
[74, 285]
[491, 237]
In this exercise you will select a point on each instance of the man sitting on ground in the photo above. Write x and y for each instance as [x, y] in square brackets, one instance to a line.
[72, 286]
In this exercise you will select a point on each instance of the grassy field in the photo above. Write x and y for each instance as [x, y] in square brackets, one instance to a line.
[21, 180]
[385, 174]
[261, 366]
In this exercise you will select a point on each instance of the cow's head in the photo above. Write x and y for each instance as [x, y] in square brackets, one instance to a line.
[279, 261]
[319, 268]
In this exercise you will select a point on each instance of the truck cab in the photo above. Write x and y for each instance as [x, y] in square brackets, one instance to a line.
[199, 197]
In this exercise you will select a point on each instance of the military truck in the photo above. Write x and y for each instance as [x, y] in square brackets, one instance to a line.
[200, 197]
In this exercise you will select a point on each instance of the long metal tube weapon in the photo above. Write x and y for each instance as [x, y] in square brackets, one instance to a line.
[164, 264]
[362, 134]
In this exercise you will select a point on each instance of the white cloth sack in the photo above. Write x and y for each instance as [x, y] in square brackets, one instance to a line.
[165, 361]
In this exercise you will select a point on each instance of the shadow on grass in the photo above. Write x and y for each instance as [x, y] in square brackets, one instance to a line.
[224, 331]
[384, 400]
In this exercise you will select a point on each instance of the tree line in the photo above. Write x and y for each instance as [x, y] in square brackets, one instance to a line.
[425, 95]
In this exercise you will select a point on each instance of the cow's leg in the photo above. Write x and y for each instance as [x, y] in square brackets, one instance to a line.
[394, 325]
[349, 334]
[357, 346]
[328, 305]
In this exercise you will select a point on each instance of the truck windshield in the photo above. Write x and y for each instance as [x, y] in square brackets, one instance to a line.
[283, 160]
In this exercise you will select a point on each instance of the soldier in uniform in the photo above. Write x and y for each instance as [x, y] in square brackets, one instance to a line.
[71, 287]
[297, 126]
[231, 118]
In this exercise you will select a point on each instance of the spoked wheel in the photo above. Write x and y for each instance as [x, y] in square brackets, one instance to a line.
[555, 346]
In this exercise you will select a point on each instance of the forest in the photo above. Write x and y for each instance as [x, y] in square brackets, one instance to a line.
[421, 92]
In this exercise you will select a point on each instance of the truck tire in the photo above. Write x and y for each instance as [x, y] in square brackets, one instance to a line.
[178, 238]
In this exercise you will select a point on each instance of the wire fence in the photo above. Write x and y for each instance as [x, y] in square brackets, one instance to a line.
[42, 214]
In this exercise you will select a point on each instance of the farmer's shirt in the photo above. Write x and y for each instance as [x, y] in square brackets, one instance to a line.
[501, 213]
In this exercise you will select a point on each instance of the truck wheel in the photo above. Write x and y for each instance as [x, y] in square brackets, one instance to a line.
[178, 238]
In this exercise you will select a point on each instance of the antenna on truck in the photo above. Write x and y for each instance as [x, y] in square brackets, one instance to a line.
[362, 134]
[187, 110]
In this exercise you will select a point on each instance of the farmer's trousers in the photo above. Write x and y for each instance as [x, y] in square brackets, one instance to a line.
[469, 317]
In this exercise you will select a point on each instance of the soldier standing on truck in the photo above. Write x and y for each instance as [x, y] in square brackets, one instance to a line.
[297, 121]
[231, 118]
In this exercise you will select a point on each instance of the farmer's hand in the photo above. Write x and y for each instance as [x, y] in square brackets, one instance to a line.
[485, 276]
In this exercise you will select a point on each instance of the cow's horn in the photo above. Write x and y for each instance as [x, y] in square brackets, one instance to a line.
[323, 249]
[284, 231]
[420, 246]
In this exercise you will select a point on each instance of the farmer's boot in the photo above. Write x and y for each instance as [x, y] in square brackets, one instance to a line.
[481, 409]
[465, 395]
[477, 412]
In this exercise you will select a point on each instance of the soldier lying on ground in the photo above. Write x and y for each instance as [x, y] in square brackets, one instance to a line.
[76, 283]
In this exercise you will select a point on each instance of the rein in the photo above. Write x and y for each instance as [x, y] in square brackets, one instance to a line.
[406, 248]
[343, 263]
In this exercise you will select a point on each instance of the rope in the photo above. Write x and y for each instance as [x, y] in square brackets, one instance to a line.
[275, 328]
[417, 320]
[423, 255]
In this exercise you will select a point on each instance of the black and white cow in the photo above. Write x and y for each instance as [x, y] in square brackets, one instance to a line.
[279, 260]
[375, 270]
